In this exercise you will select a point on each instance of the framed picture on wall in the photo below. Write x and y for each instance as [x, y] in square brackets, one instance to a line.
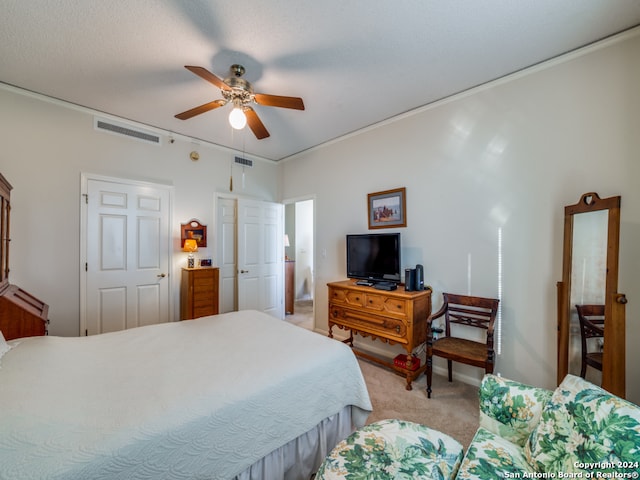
[387, 209]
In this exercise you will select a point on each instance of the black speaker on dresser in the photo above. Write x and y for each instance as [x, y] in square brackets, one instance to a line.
[419, 278]
[409, 279]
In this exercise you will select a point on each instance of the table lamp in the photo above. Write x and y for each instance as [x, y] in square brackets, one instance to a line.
[286, 244]
[190, 245]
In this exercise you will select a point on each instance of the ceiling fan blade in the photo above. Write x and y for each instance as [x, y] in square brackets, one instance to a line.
[208, 76]
[255, 124]
[201, 109]
[278, 101]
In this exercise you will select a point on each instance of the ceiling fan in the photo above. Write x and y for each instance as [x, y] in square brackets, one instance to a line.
[239, 92]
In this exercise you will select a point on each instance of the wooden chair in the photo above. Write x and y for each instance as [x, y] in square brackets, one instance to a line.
[465, 310]
[591, 326]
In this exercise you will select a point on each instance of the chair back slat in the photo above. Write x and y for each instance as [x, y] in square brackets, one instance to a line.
[591, 320]
[476, 312]
[472, 318]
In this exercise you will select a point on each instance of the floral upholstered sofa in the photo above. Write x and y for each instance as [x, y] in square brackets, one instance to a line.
[577, 431]
[393, 450]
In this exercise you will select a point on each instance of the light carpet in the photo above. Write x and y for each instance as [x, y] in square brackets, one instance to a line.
[303, 314]
[452, 408]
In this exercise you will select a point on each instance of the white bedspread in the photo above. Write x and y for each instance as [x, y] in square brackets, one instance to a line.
[200, 399]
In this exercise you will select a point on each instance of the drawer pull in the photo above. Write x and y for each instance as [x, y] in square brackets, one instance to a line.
[397, 328]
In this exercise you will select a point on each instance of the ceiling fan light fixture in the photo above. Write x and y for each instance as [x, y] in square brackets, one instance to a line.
[238, 91]
[237, 118]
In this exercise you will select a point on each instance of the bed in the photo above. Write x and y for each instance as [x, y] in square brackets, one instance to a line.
[239, 395]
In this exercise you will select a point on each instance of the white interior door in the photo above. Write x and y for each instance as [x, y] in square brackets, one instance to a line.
[261, 256]
[251, 255]
[227, 224]
[127, 238]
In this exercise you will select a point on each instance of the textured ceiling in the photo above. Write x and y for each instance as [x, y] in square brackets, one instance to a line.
[353, 63]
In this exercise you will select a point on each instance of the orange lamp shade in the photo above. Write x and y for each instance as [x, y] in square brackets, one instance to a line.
[190, 245]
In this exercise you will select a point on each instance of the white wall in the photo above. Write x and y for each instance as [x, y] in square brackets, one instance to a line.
[45, 148]
[506, 157]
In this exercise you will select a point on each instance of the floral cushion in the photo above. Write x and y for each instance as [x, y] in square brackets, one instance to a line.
[489, 457]
[393, 450]
[510, 409]
[583, 428]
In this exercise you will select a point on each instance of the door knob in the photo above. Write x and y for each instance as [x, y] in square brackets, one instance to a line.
[162, 275]
[244, 271]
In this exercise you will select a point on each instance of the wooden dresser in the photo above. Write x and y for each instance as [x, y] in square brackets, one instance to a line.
[199, 292]
[21, 314]
[289, 285]
[394, 317]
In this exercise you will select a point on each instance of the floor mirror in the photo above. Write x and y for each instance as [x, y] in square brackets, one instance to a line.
[590, 279]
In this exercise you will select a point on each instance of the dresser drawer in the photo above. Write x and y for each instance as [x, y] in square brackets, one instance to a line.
[376, 302]
[378, 325]
[338, 295]
[204, 298]
[203, 310]
[204, 277]
[388, 305]
[202, 288]
[356, 298]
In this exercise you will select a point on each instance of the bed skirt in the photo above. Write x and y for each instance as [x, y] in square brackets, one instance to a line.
[302, 456]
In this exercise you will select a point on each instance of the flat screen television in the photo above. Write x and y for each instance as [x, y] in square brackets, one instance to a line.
[374, 257]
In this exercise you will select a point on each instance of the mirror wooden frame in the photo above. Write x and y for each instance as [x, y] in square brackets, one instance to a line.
[613, 356]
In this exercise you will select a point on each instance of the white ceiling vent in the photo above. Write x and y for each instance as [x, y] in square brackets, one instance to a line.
[245, 162]
[116, 128]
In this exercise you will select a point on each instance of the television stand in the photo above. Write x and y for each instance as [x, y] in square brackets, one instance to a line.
[394, 317]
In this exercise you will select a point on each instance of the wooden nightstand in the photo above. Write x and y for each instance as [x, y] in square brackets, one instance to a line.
[199, 292]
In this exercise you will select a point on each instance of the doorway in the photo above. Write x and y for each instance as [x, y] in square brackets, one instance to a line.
[250, 256]
[300, 256]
